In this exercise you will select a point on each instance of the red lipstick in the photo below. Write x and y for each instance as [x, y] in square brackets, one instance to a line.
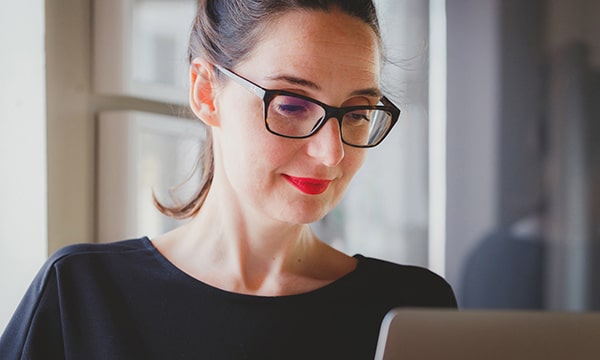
[308, 185]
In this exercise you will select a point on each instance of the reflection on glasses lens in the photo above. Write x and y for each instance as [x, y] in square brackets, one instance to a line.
[365, 127]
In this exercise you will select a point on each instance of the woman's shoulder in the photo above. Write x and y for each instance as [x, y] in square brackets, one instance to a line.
[80, 250]
[83, 262]
[427, 287]
[110, 247]
[389, 269]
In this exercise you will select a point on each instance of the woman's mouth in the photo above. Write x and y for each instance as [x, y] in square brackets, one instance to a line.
[308, 186]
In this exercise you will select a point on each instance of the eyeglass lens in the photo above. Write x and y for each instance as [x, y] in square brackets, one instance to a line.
[297, 117]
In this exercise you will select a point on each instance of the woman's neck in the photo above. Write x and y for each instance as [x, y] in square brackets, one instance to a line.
[240, 252]
[231, 230]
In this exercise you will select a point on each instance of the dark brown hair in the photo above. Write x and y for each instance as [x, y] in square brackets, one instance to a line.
[224, 33]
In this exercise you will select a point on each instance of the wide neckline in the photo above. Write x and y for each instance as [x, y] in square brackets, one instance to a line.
[175, 270]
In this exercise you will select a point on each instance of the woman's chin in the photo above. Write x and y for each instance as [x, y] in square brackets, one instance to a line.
[306, 217]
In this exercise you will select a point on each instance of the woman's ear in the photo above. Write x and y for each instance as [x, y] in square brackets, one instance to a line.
[202, 92]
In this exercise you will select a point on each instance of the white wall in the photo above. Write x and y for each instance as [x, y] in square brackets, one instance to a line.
[23, 200]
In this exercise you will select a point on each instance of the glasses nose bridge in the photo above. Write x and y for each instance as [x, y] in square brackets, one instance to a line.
[333, 112]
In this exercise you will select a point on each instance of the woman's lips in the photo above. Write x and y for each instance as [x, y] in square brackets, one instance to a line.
[308, 185]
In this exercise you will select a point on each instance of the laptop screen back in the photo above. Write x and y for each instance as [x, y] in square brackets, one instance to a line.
[408, 334]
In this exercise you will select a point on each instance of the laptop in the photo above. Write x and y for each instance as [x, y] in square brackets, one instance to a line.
[408, 334]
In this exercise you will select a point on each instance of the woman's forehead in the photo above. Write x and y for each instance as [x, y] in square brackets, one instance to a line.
[319, 47]
[306, 27]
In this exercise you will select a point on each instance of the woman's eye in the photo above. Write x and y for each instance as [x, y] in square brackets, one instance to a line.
[357, 117]
[290, 109]
[360, 117]
[290, 106]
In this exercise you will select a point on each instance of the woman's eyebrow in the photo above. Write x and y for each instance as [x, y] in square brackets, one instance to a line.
[371, 92]
[295, 81]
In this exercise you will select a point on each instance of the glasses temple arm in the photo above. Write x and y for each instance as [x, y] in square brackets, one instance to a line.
[255, 89]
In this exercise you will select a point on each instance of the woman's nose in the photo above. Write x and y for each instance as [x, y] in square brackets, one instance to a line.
[326, 145]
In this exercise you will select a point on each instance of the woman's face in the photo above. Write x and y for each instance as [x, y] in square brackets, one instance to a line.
[329, 56]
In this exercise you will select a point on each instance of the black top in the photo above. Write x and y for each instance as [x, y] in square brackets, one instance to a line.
[126, 301]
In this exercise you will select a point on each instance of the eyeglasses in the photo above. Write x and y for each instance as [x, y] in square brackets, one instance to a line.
[296, 116]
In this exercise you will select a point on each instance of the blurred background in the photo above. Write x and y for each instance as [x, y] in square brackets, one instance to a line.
[491, 178]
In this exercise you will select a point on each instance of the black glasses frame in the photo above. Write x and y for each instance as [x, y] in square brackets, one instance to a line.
[267, 95]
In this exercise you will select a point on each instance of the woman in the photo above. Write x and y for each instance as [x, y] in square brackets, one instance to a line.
[290, 92]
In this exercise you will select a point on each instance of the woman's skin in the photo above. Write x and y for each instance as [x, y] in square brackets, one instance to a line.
[252, 235]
